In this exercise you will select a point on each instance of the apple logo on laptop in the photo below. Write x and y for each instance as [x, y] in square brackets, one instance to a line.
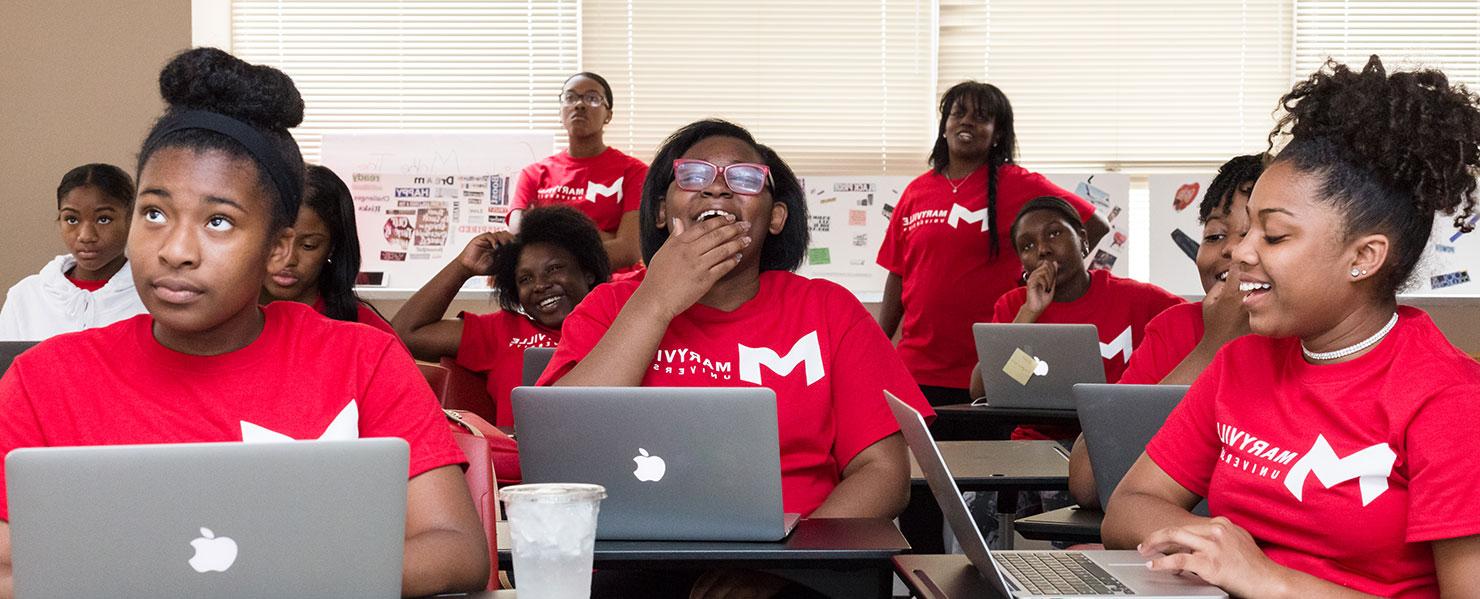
[650, 468]
[1041, 368]
[212, 553]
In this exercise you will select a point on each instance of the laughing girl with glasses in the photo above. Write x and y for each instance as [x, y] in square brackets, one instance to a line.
[724, 224]
[589, 175]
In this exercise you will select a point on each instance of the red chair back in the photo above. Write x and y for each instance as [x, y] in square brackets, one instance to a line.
[480, 477]
[436, 376]
[468, 390]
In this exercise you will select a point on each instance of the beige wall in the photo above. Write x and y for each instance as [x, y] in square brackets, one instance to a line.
[77, 85]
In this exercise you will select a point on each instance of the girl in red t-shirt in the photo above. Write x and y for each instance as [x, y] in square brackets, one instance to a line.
[724, 224]
[1050, 242]
[325, 258]
[1326, 443]
[1177, 347]
[940, 279]
[220, 179]
[589, 175]
[539, 277]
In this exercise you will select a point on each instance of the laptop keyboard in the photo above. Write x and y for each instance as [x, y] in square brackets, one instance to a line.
[1060, 573]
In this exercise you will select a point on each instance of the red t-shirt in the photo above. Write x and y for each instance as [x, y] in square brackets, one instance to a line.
[1169, 338]
[808, 340]
[364, 314]
[604, 186]
[494, 343]
[304, 377]
[1119, 308]
[1343, 471]
[938, 243]
[85, 284]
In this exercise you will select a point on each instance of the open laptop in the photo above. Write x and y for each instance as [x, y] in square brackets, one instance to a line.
[1036, 573]
[1036, 365]
[678, 463]
[535, 361]
[1118, 422]
[310, 518]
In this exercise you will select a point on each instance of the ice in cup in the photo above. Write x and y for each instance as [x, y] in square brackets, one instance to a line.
[552, 529]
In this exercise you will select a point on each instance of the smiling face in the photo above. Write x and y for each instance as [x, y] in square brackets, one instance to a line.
[550, 282]
[969, 131]
[1220, 234]
[298, 280]
[95, 229]
[581, 119]
[1295, 261]
[1044, 236]
[765, 215]
[202, 242]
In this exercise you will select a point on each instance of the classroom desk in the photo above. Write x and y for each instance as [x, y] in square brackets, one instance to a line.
[509, 594]
[861, 545]
[1004, 467]
[965, 422]
[942, 577]
[1072, 524]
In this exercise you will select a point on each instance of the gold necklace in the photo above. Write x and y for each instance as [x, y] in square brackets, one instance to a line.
[955, 187]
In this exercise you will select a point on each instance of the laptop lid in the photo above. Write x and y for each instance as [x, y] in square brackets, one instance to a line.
[1036, 365]
[678, 463]
[1118, 422]
[535, 361]
[209, 519]
[9, 350]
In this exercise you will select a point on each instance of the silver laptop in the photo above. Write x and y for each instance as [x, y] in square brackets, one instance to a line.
[1036, 365]
[678, 463]
[1036, 573]
[309, 518]
[535, 361]
[10, 350]
[1118, 421]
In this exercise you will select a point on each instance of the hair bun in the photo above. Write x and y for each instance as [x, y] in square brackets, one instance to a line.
[214, 80]
[1412, 129]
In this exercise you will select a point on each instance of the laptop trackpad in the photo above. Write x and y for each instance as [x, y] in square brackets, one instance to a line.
[1130, 568]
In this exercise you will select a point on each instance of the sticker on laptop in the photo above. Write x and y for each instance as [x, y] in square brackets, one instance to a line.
[1022, 367]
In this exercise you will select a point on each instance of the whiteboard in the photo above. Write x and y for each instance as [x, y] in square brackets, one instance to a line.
[1448, 267]
[420, 197]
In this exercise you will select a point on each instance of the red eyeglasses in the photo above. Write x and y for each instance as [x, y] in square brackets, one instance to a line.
[743, 178]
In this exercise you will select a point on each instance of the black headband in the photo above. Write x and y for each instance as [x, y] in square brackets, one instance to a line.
[248, 136]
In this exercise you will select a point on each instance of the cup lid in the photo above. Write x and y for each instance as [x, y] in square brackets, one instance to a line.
[553, 492]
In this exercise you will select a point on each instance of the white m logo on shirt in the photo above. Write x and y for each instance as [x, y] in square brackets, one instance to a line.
[1370, 466]
[1121, 344]
[960, 213]
[806, 351]
[595, 190]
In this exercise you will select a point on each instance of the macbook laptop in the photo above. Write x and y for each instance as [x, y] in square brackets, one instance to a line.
[309, 518]
[678, 463]
[1118, 422]
[1036, 365]
[1036, 573]
[535, 361]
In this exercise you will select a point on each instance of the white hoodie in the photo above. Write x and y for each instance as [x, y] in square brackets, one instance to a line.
[47, 304]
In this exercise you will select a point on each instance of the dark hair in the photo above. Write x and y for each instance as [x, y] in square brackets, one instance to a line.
[1390, 152]
[262, 97]
[611, 101]
[1050, 203]
[1231, 176]
[327, 195]
[561, 226]
[111, 180]
[782, 251]
[987, 100]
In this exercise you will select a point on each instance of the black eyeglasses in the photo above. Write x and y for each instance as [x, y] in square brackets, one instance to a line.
[591, 99]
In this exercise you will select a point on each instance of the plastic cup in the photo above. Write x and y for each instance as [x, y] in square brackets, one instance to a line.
[552, 528]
